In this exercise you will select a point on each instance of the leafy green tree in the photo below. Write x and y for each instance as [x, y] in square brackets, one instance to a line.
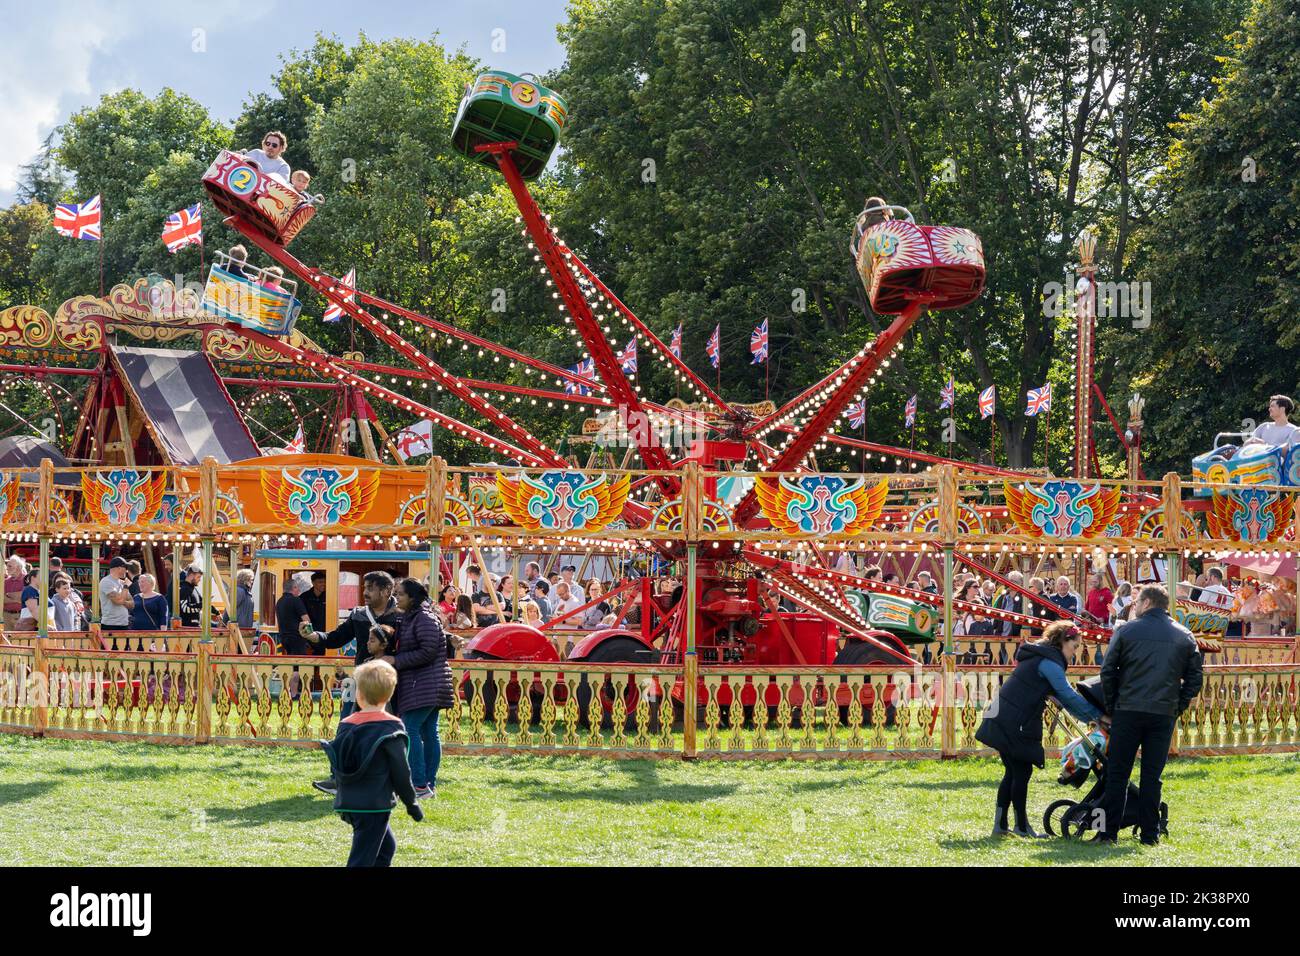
[145, 157]
[720, 152]
[20, 225]
[1222, 254]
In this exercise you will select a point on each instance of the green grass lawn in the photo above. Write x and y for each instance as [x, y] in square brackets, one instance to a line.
[72, 802]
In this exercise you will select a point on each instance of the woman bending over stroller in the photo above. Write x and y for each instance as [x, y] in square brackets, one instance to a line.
[1013, 722]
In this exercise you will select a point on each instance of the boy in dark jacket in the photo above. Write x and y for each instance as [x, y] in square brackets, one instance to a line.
[379, 609]
[368, 759]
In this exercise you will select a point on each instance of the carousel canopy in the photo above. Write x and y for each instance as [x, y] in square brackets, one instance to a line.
[28, 451]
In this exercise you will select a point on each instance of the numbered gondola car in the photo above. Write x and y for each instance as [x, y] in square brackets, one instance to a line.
[500, 107]
[239, 188]
[900, 261]
[237, 293]
[910, 621]
[1250, 463]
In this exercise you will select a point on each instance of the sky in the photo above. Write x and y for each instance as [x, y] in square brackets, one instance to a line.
[58, 57]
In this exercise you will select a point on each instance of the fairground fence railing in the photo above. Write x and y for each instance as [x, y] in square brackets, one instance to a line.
[329, 497]
[609, 710]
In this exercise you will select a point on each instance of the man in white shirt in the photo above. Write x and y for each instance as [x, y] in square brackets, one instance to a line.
[114, 598]
[269, 158]
[1215, 593]
[566, 574]
[1278, 431]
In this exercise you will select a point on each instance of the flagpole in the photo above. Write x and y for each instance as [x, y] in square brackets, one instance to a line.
[102, 233]
[1047, 438]
[993, 439]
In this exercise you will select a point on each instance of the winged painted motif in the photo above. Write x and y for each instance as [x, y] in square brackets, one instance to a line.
[1062, 509]
[563, 500]
[321, 496]
[123, 496]
[820, 504]
[1249, 515]
[9, 495]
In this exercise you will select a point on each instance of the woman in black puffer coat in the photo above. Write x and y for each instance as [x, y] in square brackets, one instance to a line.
[1013, 722]
[424, 681]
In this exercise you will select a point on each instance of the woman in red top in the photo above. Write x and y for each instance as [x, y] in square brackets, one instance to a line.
[15, 571]
[1099, 597]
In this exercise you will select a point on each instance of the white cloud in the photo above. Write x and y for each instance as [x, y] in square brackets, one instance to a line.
[57, 58]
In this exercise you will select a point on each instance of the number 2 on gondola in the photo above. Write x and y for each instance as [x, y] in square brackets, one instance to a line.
[242, 180]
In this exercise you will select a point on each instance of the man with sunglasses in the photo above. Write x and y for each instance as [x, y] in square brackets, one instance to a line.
[270, 159]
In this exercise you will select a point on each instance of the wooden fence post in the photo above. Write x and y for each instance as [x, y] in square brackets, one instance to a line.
[948, 502]
[435, 512]
[202, 695]
[41, 668]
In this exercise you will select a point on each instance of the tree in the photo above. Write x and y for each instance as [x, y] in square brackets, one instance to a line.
[1222, 254]
[43, 180]
[145, 157]
[720, 152]
[20, 225]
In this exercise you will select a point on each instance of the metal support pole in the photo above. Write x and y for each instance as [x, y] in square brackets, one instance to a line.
[690, 670]
[205, 622]
[43, 585]
[949, 647]
[94, 582]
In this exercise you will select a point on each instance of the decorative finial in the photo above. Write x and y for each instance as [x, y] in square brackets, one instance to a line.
[1087, 246]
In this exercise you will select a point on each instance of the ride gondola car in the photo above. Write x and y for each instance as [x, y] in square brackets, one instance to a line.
[235, 292]
[900, 261]
[239, 188]
[1249, 463]
[500, 107]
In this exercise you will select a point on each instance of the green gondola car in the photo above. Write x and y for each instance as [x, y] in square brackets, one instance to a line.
[911, 621]
[500, 107]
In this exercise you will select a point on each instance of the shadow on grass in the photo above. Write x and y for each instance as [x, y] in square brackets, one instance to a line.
[297, 809]
[990, 784]
[638, 791]
[144, 771]
[1053, 849]
[19, 792]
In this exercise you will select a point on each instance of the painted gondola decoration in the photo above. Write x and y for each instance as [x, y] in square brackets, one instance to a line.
[900, 261]
[501, 107]
[239, 188]
[254, 298]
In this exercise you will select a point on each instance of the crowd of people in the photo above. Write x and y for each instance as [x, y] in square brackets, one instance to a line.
[480, 599]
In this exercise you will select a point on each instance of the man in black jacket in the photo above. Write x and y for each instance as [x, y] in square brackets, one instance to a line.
[380, 608]
[1152, 671]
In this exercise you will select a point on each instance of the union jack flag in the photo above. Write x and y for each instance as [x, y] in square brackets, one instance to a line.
[1039, 400]
[988, 402]
[298, 446]
[948, 395]
[758, 343]
[586, 370]
[675, 346]
[78, 220]
[714, 346]
[334, 311]
[183, 228]
[858, 414]
[627, 358]
[909, 412]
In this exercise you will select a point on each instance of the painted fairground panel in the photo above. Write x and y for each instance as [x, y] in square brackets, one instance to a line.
[322, 493]
[239, 188]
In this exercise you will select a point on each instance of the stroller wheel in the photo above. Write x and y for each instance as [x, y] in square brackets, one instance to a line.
[1058, 808]
[1076, 822]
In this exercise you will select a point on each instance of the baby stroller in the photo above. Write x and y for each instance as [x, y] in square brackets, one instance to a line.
[1083, 757]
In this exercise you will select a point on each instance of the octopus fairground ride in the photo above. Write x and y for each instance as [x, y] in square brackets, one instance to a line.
[758, 587]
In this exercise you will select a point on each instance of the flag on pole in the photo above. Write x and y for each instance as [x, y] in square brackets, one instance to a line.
[183, 228]
[334, 311]
[415, 439]
[586, 370]
[78, 220]
[858, 414]
[675, 346]
[298, 446]
[627, 358]
[758, 343]
[909, 412]
[714, 347]
[988, 402]
[948, 395]
[1039, 400]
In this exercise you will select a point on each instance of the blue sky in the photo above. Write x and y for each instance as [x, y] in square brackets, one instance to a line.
[57, 57]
